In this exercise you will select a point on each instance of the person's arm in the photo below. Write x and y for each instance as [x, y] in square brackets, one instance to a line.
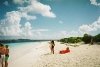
[54, 44]
[49, 42]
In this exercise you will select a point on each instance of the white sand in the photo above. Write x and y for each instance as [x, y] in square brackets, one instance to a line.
[81, 56]
[39, 56]
[25, 55]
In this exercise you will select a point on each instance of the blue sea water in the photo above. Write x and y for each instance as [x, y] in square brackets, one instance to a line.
[22, 43]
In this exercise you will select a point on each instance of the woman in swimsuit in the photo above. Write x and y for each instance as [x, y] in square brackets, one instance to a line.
[52, 44]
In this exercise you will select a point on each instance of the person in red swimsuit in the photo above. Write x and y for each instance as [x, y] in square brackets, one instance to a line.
[64, 51]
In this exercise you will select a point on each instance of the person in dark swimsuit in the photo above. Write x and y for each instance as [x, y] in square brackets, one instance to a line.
[52, 44]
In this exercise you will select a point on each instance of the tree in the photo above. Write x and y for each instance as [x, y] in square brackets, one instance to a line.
[87, 38]
[97, 38]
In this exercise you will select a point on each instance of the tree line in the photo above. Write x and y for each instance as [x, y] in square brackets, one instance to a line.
[86, 39]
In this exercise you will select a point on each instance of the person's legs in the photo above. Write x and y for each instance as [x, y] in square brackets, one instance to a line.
[6, 64]
[0, 55]
[6, 60]
[53, 50]
[2, 60]
[2, 63]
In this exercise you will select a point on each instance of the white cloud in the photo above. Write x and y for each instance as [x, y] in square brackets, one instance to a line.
[94, 2]
[27, 17]
[89, 28]
[70, 34]
[38, 8]
[86, 28]
[19, 1]
[75, 34]
[6, 3]
[27, 30]
[82, 29]
[10, 26]
[39, 32]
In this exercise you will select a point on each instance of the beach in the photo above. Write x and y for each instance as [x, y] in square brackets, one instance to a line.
[29, 55]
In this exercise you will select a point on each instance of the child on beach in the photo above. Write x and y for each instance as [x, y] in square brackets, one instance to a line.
[52, 44]
[64, 51]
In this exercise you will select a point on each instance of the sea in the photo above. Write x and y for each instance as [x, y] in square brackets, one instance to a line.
[21, 43]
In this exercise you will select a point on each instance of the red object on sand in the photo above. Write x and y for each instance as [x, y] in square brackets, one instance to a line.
[64, 51]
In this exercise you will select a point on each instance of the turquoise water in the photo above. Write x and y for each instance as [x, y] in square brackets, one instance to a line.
[22, 43]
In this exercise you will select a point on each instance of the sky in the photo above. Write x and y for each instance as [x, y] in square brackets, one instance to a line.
[48, 19]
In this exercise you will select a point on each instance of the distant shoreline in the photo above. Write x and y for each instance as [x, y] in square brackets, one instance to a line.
[22, 40]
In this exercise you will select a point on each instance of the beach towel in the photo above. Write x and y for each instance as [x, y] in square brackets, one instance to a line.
[64, 51]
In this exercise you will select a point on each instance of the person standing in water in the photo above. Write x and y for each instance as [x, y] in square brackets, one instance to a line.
[52, 44]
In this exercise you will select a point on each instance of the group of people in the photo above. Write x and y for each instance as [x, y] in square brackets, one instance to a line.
[4, 52]
[4, 55]
[52, 45]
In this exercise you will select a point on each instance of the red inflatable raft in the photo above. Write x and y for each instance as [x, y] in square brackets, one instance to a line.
[64, 51]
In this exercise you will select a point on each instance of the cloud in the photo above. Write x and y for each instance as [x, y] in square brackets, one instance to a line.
[39, 32]
[91, 27]
[70, 33]
[11, 23]
[6, 3]
[19, 1]
[94, 2]
[27, 17]
[10, 26]
[38, 8]
[35, 7]
[27, 30]
[82, 29]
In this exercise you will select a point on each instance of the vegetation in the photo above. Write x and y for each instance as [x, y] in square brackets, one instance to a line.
[86, 39]
[97, 38]
[71, 40]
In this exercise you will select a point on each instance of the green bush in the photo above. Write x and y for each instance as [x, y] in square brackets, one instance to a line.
[71, 40]
[97, 38]
[87, 38]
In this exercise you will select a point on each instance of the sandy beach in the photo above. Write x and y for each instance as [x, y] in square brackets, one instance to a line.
[81, 56]
[39, 56]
